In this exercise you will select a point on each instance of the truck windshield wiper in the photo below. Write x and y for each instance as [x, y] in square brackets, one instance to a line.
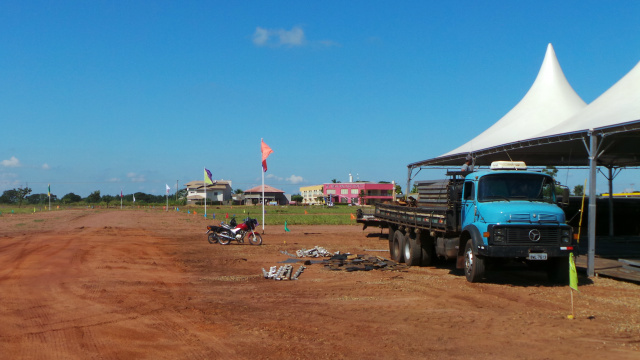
[497, 197]
[523, 197]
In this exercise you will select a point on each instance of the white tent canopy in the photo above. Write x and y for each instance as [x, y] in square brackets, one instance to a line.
[618, 105]
[550, 100]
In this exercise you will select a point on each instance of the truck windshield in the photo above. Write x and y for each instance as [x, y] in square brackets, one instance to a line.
[515, 186]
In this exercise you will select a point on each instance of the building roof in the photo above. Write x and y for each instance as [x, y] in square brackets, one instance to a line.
[267, 189]
[199, 184]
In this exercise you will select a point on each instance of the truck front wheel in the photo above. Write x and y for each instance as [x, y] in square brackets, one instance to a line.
[397, 246]
[473, 264]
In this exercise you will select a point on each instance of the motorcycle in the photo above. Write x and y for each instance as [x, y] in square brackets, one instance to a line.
[224, 233]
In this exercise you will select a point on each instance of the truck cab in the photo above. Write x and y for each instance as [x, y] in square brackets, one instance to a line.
[510, 212]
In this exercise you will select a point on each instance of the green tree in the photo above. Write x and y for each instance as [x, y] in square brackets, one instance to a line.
[550, 170]
[94, 197]
[9, 196]
[22, 194]
[71, 198]
[297, 198]
[238, 191]
[107, 199]
[335, 181]
[36, 198]
[578, 190]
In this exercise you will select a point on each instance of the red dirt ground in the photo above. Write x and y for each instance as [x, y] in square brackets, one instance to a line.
[145, 284]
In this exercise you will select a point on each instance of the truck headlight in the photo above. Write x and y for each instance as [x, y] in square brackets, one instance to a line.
[565, 237]
[498, 235]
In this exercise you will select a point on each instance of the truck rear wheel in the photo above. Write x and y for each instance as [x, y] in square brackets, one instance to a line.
[398, 245]
[473, 264]
[427, 248]
[412, 250]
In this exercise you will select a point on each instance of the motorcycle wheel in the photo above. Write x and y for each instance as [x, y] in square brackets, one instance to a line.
[255, 238]
[212, 238]
[224, 240]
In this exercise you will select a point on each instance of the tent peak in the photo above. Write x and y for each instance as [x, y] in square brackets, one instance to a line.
[550, 100]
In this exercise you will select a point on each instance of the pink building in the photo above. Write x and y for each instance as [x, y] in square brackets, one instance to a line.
[352, 192]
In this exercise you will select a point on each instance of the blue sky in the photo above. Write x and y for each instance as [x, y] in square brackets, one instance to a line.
[133, 95]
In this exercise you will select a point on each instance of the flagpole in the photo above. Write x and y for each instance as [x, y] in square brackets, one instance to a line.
[120, 198]
[204, 182]
[263, 201]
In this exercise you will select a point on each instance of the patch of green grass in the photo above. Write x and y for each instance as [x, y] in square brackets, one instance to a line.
[277, 215]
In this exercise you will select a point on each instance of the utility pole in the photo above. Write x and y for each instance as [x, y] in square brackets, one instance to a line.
[176, 191]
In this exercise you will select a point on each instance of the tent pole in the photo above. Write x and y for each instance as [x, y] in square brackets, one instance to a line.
[610, 201]
[592, 205]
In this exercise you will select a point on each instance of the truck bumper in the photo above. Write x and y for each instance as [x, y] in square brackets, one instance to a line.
[524, 251]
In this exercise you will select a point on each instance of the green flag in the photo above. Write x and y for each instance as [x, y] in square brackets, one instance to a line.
[285, 226]
[573, 274]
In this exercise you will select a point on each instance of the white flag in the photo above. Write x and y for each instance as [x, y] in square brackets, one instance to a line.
[134, 197]
[168, 188]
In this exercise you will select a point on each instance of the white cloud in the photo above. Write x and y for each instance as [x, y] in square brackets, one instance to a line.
[136, 177]
[261, 36]
[279, 37]
[46, 166]
[273, 177]
[294, 37]
[13, 162]
[114, 180]
[295, 179]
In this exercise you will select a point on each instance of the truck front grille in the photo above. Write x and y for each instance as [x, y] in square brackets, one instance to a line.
[531, 235]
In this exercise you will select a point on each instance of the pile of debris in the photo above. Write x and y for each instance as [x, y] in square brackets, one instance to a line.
[349, 262]
[315, 252]
[337, 261]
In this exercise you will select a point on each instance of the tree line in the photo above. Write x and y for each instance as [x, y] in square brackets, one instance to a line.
[22, 196]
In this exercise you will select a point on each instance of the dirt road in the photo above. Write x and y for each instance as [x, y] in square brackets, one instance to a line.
[145, 284]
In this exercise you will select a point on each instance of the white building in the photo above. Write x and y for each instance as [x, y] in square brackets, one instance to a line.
[219, 191]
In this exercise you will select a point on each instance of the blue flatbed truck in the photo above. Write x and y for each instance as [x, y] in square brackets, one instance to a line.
[506, 212]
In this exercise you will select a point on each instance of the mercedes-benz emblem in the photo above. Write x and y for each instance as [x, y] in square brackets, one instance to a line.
[534, 235]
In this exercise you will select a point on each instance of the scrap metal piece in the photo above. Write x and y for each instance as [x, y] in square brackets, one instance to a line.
[272, 272]
[279, 273]
[300, 270]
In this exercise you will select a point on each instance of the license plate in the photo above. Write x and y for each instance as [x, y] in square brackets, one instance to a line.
[537, 256]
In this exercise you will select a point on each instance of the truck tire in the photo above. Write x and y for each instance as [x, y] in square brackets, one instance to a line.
[427, 249]
[473, 264]
[412, 250]
[391, 231]
[558, 270]
[398, 245]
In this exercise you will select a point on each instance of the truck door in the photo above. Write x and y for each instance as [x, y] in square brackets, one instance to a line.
[468, 203]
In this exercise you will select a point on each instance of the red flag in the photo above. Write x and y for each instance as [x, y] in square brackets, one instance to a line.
[266, 151]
